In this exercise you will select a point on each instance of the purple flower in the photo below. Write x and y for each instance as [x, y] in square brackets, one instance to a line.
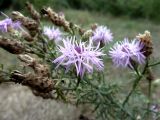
[16, 25]
[4, 24]
[52, 33]
[102, 34]
[84, 57]
[125, 52]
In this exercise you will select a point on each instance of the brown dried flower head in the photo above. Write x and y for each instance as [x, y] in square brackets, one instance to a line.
[39, 69]
[35, 82]
[11, 45]
[35, 15]
[29, 23]
[27, 37]
[56, 19]
[146, 39]
[94, 26]
[39, 81]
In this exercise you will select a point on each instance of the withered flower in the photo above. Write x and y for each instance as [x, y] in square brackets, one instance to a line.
[31, 25]
[13, 46]
[146, 39]
[35, 15]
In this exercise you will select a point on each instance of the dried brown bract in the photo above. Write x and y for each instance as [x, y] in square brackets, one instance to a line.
[94, 26]
[39, 69]
[27, 37]
[29, 23]
[35, 15]
[87, 34]
[35, 82]
[81, 31]
[11, 45]
[146, 39]
[43, 95]
[56, 18]
[40, 82]
[59, 20]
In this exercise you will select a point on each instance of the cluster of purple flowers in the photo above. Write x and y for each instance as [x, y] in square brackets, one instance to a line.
[83, 56]
[52, 33]
[6, 23]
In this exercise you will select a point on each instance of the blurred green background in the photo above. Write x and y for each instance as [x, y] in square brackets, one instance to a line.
[147, 9]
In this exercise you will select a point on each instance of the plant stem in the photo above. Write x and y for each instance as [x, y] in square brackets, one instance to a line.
[137, 80]
[149, 77]
[78, 80]
[149, 98]
[154, 64]
[125, 111]
[133, 89]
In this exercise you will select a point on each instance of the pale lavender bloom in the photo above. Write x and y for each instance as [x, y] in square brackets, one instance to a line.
[155, 108]
[125, 52]
[52, 33]
[84, 57]
[102, 34]
[16, 25]
[4, 24]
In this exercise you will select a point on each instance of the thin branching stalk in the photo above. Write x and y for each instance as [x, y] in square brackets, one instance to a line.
[154, 64]
[137, 80]
[149, 98]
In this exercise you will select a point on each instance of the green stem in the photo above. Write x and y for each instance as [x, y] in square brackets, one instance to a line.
[137, 80]
[101, 97]
[122, 109]
[150, 77]
[78, 80]
[154, 64]
[133, 89]
[149, 98]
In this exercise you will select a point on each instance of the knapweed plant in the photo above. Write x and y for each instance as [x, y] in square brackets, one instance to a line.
[65, 62]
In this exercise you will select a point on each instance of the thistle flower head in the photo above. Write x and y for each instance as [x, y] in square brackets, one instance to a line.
[4, 24]
[52, 33]
[102, 34]
[84, 57]
[125, 52]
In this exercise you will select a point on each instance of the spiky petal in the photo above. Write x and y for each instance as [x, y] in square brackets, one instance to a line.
[52, 33]
[125, 52]
[102, 34]
[84, 57]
